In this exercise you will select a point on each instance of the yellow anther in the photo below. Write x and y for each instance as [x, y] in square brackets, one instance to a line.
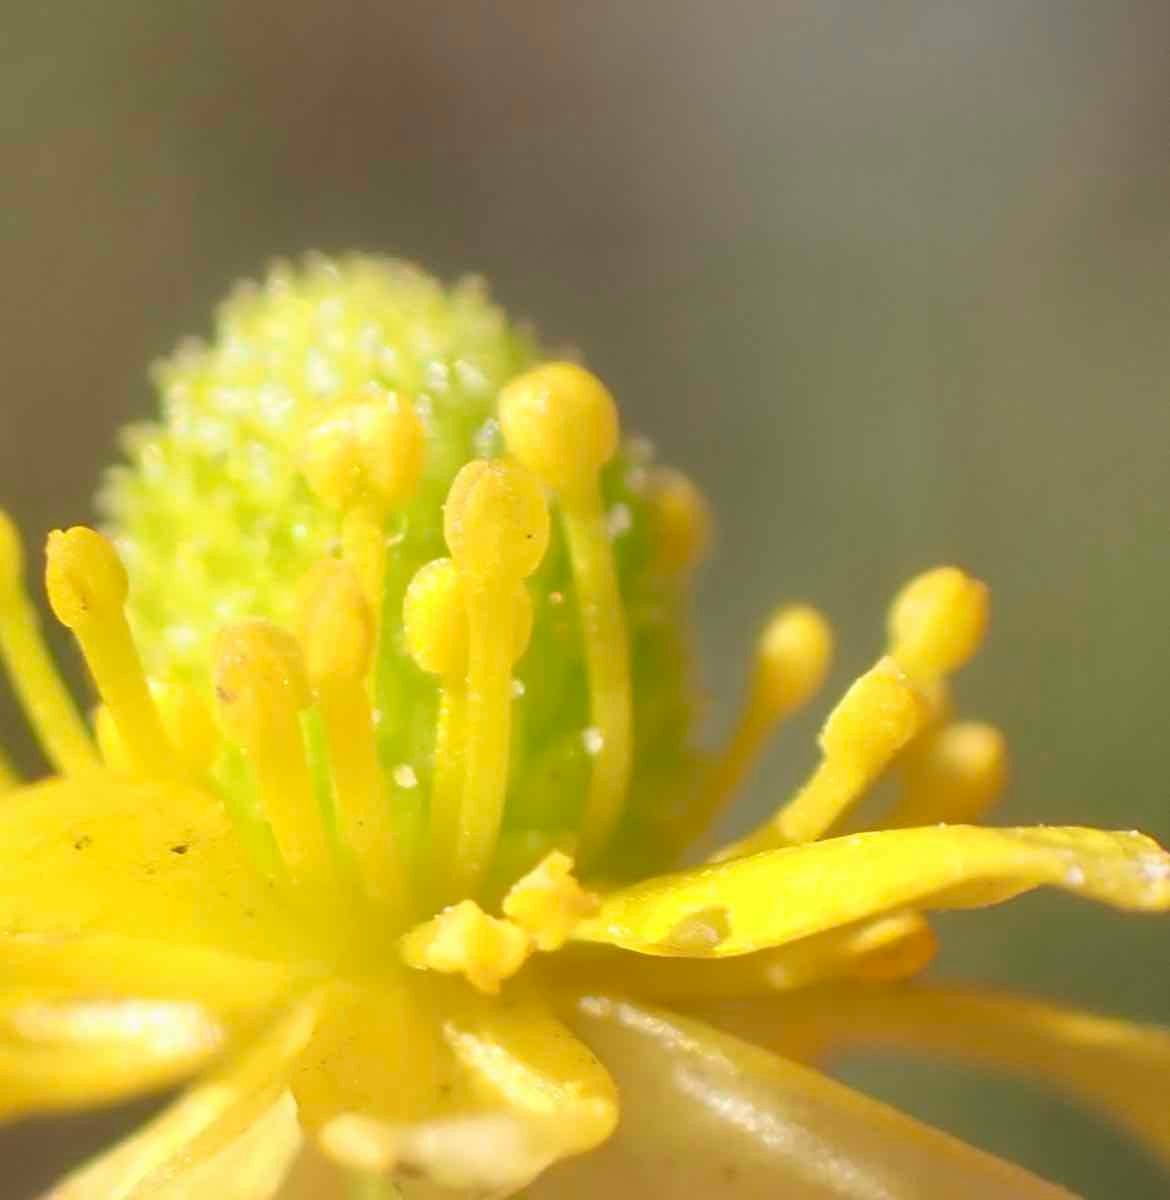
[952, 775]
[87, 589]
[84, 576]
[337, 637]
[793, 654]
[261, 689]
[496, 522]
[464, 940]
[875, 718]
[497, 527]
[434, 619]
[370, 451]
[682, 520]
[35, 679]
[561, 421]
[792, 660]
[548, 902]
[937, 622]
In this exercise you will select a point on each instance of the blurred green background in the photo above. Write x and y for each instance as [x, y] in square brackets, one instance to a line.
[889, 278]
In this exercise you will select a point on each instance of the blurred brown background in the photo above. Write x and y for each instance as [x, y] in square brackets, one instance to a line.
[890, 278]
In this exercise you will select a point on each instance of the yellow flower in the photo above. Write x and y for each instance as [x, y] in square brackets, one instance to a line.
[393, 747]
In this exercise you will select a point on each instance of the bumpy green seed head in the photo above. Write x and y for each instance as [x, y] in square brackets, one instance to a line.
[329, 415]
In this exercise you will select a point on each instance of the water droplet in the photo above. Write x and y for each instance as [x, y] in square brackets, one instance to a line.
[1075, 876]
[517, 688]
[488, 439]
[619, 521]
[1155, 868]
[404, 776]
[593, 740]
[699, 933]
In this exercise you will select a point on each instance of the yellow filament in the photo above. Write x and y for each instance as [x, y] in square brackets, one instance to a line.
[336, 631]
[792, 659]
[464, 940]
[561, 422]
[109, 741]
[261, 689]
[363, 543]
[8, 776]
[44, 698]
[875, 718]
[188, 723]
[365, 460]
[952, 775]
[87, 590]
[186, 720]
[496, 524]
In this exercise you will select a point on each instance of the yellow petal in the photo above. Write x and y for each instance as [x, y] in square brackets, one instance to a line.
[777, 896]
[1119, 1068]
[100, 853]
[706, 1115]
[520, 1055]
[112, 965]
[887, 948]
[253, 1166]
[175, 1155]
[60, 1054]
[530, 1094]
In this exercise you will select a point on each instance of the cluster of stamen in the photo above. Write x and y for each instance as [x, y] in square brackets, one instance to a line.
[466, 620]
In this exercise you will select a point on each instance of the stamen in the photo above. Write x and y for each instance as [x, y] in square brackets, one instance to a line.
[875, 718]
[952, 776]
[682, 520]
[363, 544]
[496, 525]
[368, 452]
[792, 658]
[185, 718]
[548, 902]
[464, 940]
[337, 632]
[87, 589]
[45, 699]
[434, 619]
[936, 624]
[189, 725]
[261, 688]
[9, 779]
[561, 422]
[365, 461]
